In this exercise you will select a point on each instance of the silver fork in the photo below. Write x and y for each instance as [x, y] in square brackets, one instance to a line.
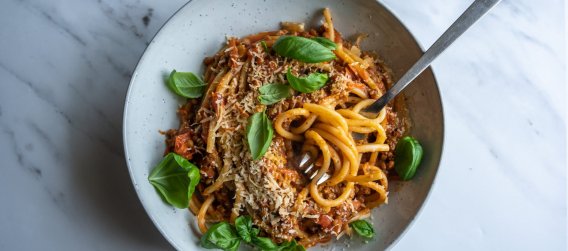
[473, 13]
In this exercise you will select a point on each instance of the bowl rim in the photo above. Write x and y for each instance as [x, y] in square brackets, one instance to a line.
[159, 32]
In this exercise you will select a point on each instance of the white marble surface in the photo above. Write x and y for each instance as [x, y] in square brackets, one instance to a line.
[65, 68]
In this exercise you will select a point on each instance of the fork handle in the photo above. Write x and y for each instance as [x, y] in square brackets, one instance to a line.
[473, 13]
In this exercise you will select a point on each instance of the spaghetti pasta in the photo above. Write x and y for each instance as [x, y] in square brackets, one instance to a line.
[352, 149]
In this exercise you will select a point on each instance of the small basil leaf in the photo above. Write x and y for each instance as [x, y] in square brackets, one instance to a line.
[408, 155]
[192, 173]
[363, 228]
[259, 134]
[263, 43]
[273, 93]
[326, 42]
[194, 177]
[221, 236]
[186, 84]
[312, 82]
[264, 243]
[175, 179]
[255, 231]
[291, 246]
[243, 224]
[302, 49]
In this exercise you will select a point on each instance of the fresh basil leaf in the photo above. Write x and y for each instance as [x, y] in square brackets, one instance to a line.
[194, 177]
[264, 243]
[302, 49]
[221, 236]
[175, 179]
[263, 43]
[267, 244]
[363, 228]
[255, 231]
[408, 155]
[291, 246]
[243, 224]
[312, 82]
[259, 134]
[326, 42]
[186, 84]
[273, 93]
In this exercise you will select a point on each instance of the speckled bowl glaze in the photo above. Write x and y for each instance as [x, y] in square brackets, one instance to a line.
[199, 29]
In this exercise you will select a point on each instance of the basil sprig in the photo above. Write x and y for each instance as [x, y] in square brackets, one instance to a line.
[224, 236]
[249, 234]
[186, 84]
[264, 243]
[259, 134]
[272, 93]
[408, 154]
[291, 246]
[314, 81]
[326, 42]
[244, 227]
[175, 179]
[243, 224]
[221, 236]
[363, 228]
[302, 49]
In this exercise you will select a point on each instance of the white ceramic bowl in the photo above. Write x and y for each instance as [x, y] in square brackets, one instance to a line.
[199, 29]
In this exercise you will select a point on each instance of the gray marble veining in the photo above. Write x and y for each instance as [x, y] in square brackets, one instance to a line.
[65, 67]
